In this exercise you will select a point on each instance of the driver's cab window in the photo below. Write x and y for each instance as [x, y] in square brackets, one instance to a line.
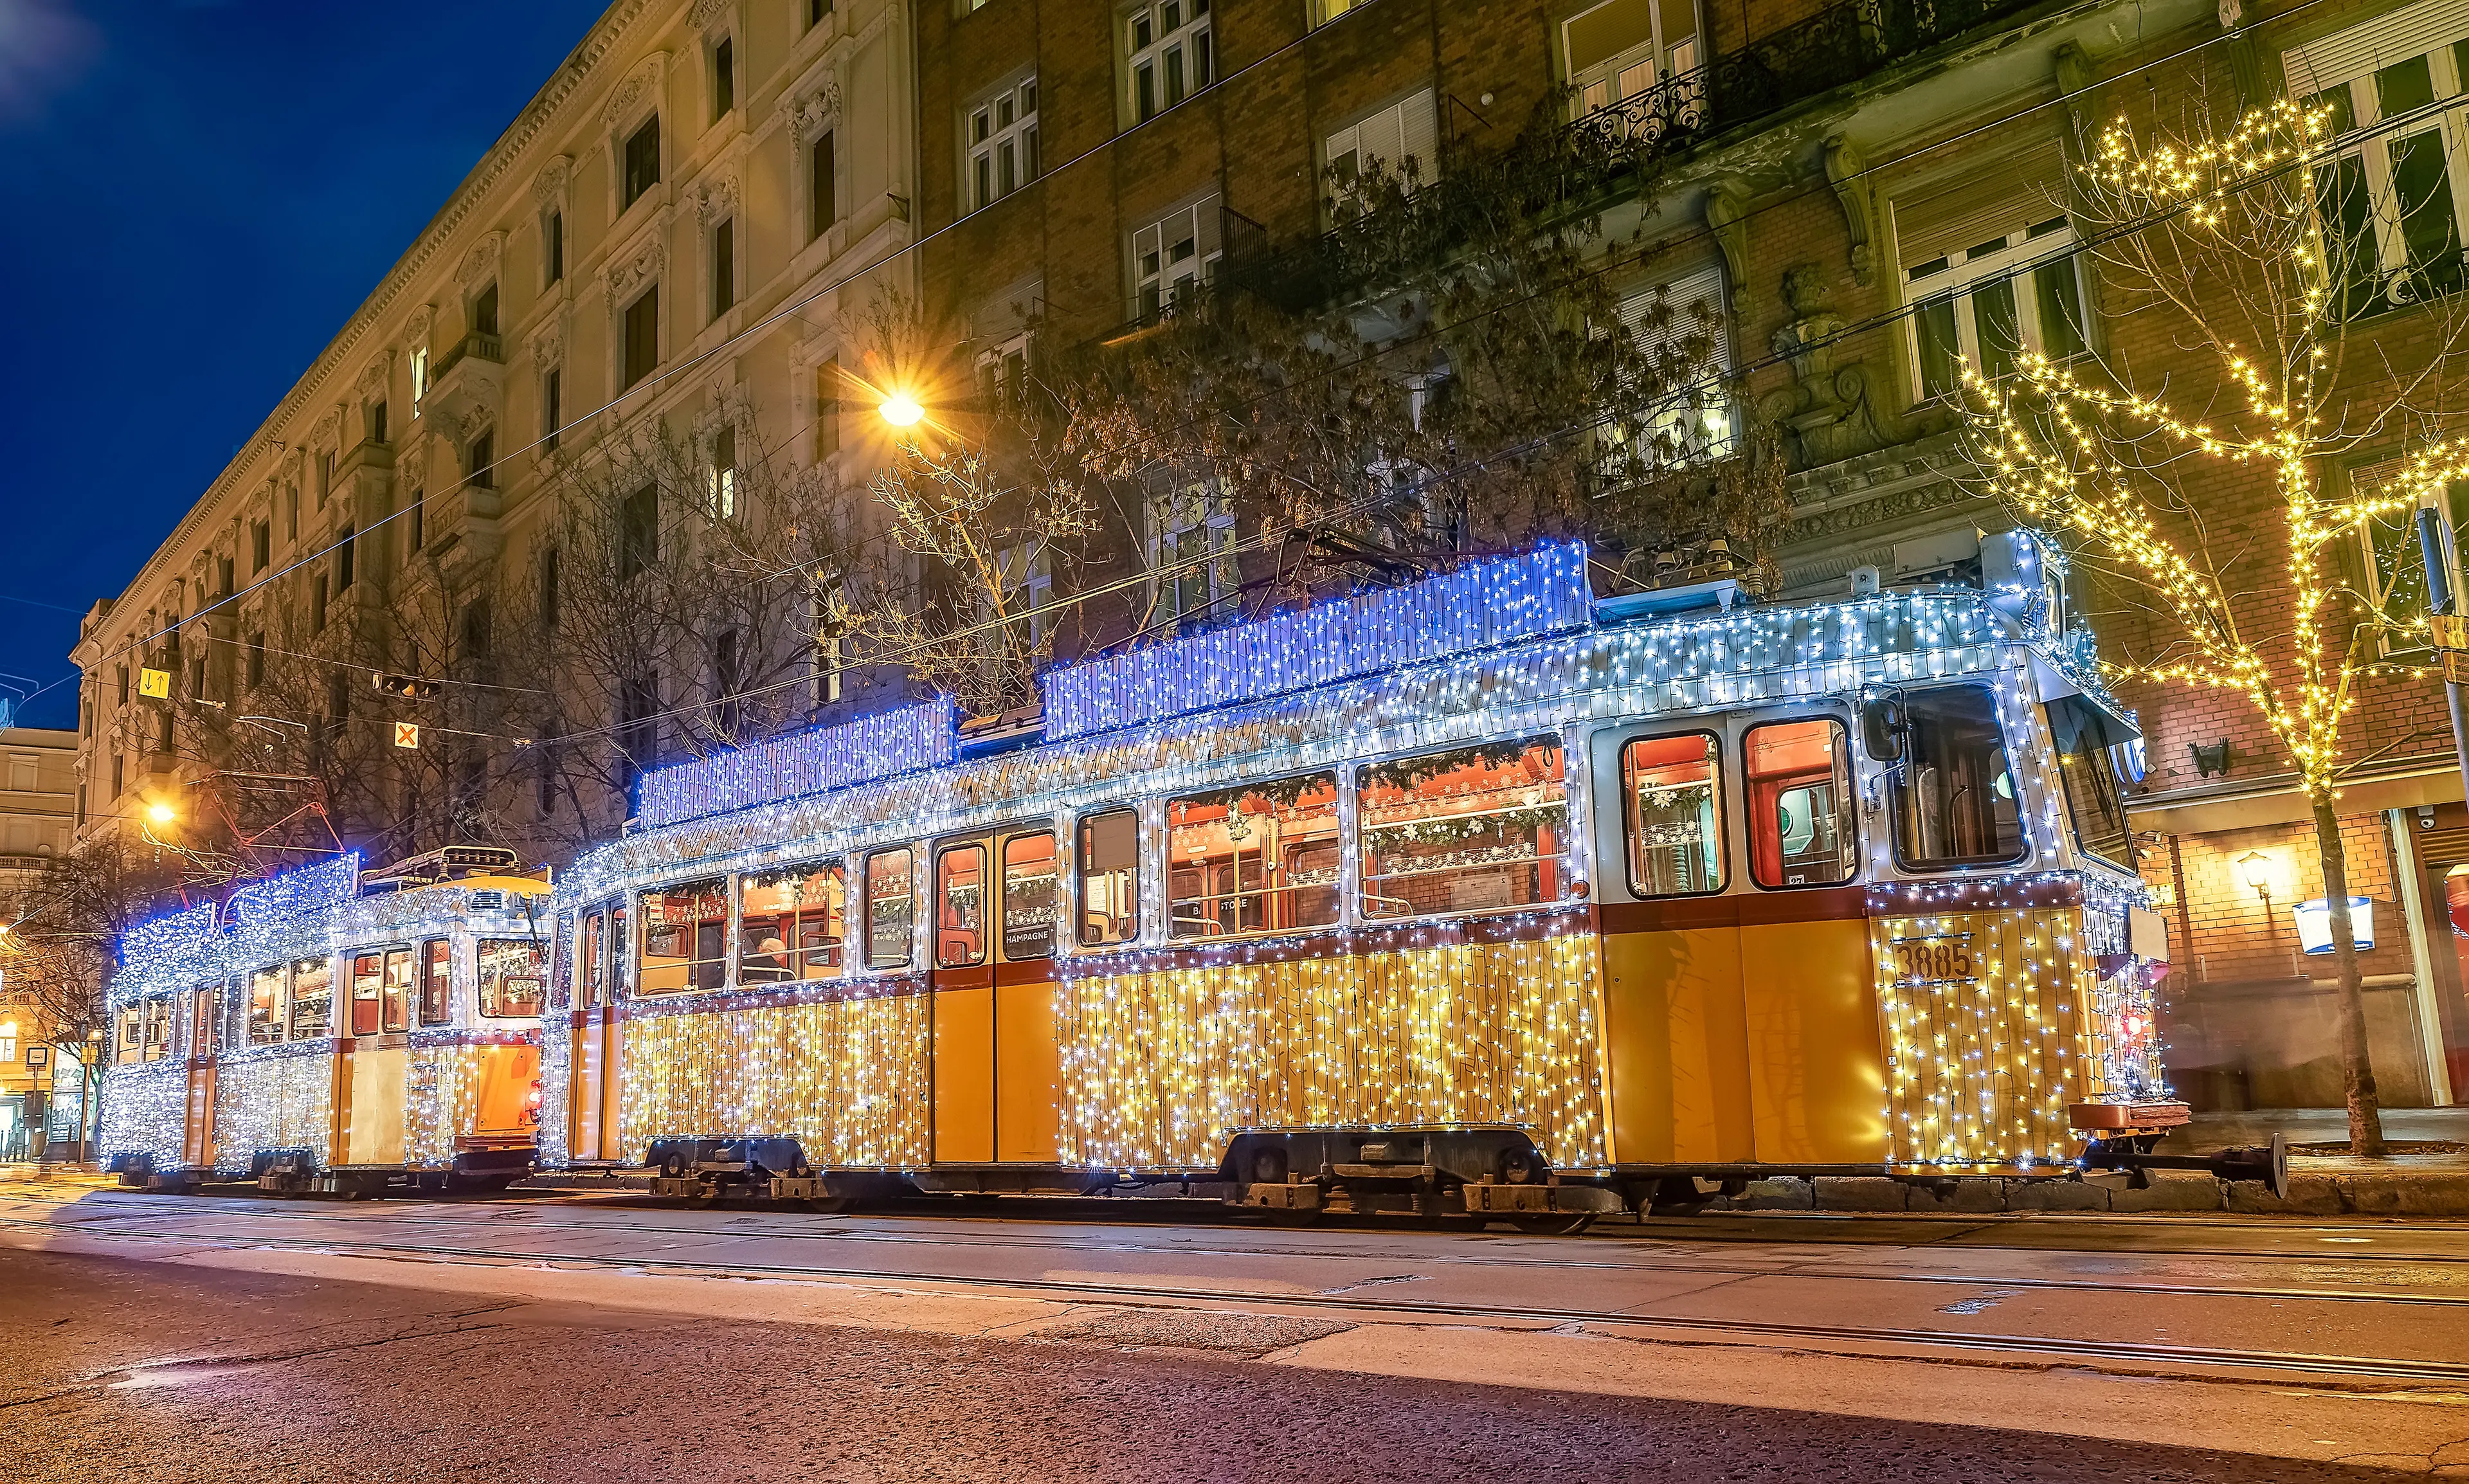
[1799, 775]
[1954, 801]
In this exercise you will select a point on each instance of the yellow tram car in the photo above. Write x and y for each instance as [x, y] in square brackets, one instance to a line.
[329, 1031]
[1475, 896]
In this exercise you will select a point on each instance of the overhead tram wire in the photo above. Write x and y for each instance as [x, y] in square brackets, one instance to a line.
[795, 306]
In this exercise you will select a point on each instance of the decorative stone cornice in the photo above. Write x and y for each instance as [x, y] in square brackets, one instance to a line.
[641, 88]
[549, 187]
[706, 11]
[480, 260]
[640, 263]
[548, 344]
[372, 383]
[715, 196]
[812, 113]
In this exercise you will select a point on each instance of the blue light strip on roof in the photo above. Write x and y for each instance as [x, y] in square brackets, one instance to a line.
[1480, 605]
[805, 762]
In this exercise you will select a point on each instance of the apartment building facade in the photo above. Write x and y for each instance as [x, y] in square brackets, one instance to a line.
[1871, 193]
[660, 249]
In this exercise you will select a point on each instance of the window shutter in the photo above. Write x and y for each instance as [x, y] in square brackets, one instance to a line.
[1418, 134]
[2348, 55]
[1685, 294]
[1207, 227]
[2029, 189]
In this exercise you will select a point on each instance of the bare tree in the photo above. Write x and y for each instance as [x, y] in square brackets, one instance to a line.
[63, 926]
[2216, 237]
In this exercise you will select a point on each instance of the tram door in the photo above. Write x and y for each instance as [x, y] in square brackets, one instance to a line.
[997, 1065]
[600, 953]
[205, 1039]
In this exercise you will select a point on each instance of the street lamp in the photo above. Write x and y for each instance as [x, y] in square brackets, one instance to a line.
[161, 813]
[901, 410]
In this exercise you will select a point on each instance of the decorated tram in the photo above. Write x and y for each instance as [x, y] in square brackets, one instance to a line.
[327, 1031]
[1477, 896]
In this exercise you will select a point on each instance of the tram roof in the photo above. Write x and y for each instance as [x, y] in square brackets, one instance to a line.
[1665, 667]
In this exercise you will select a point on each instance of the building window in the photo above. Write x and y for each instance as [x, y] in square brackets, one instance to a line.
[553, 247]
[724, 268]
[256, 659]
[1003, 143]
[1622, 47]
[638, 531]
[823, 186]
[638, 727]
[375, 420]
[317, 605]
[642, 164]
[642, 339]
[727, 679]
[1027, 573]
[118, 781]
[552, 411]
[1680, 328]
[548, 593]
[261, 545]
[2009, 289]
[290, 513]
[2395, 567]
[482, 461]
[484, 311]
[724, 78]
[124, 684]
[1168, 44]
[1407, 130]
[2393, 196]
[412, 534]
[722, 492]
[343, 561]
[827, 408]
[325, 476]
[1172, 258]
[1003, 366]
[816, 11]
[1190, 552]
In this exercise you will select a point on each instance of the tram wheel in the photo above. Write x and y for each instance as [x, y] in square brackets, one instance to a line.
[1557, 1223]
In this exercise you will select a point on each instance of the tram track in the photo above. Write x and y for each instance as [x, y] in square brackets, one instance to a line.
[2128, 1356]
[1683, 1265]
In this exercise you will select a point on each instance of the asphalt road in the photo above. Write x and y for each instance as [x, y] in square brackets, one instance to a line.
[131, 1370]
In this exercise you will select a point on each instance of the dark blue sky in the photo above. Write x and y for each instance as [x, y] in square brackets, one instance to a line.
[199, 195]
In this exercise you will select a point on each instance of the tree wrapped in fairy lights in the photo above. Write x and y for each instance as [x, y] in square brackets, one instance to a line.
[2279, 360]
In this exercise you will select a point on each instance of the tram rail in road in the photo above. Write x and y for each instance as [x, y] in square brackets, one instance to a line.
[1843, 1298]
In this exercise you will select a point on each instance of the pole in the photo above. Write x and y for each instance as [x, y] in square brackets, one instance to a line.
[2434, 548]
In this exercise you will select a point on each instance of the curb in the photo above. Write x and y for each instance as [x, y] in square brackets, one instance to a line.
[2178, 1191]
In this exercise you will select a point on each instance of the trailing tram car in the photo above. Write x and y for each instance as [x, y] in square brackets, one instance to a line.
[325, 1031]
[1477, 896]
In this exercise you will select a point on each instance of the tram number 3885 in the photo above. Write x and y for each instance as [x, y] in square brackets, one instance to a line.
[1927, 960]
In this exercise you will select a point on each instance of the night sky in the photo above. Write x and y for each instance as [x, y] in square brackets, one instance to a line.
[197, 195]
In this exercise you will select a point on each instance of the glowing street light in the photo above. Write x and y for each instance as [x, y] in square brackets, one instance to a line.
[901, 410]
[161, 813]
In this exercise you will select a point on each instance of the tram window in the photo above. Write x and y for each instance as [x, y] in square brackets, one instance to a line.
[2087, 737]
[132, 1035]
[1799, 780]
[791, 923]
[1673, 792]
[1029, 896]
[398, 989]
[265, 1005]
[159, 1027]
[1261, 858]
[1955, 792]
[593, 950]
[621, 966]
[684, 929]
[312, 998]
[891, 909]
[367, 975]
[206, 1022]
[960, 906]
[1110, 877]
[1477, 829]
[436, 982]
[510, 977]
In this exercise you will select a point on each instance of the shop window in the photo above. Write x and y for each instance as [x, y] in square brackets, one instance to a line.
[1954, 792]
[436, 982]
[2087, 739]
[1477, 829]
[511, 976]
[1673, 789]
[1258, 858]
[683, 937]
[265, 1007]
[1110, 878]
[398, 989]
[891, 909]
[1799, 779]
[791, 923]
[312, 998]
[1029, 896]
[368, 979]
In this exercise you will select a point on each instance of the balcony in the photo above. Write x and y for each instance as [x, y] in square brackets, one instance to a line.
[1593, 159]
[470, 375]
